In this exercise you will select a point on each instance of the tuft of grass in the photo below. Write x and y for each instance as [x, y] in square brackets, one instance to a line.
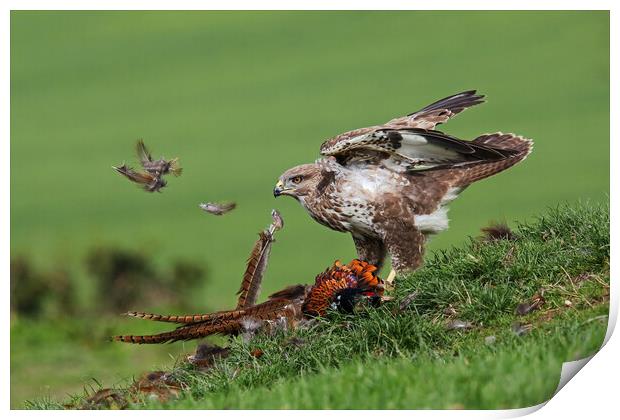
[408, 356]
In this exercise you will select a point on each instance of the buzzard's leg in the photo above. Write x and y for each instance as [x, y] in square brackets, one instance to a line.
[406, 247]
[370, 250]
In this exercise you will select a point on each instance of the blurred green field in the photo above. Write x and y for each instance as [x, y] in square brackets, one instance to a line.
[242, 96]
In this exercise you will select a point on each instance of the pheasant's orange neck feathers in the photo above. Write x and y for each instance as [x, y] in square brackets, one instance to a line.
[355, 275]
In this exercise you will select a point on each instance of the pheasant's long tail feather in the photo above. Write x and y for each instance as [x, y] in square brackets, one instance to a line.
[255, 270]
[186, 319]
[188, 332]
[257, 263]
[270, 310]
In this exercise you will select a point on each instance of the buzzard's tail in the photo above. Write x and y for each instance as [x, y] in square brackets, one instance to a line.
[519, 146]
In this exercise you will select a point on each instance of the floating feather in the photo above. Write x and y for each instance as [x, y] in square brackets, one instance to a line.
[218, 209]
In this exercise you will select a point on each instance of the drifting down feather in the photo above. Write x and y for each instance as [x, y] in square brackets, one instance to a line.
[156, 167]
[148, 181]
[217, 209]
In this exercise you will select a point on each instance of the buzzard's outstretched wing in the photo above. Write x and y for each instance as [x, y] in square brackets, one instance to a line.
[408, 149]
[427, 118]
[439, 112]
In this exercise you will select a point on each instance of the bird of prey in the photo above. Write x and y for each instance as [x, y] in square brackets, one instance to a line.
[154, 170]
[389, 185]
[217, 208]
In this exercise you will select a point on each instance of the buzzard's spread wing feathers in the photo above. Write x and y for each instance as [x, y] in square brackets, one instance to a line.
[427, 118]
[414, 149]
[441, 111]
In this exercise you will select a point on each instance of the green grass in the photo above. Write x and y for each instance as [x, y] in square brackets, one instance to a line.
[242, 96]
[518, 372]
[393, 358]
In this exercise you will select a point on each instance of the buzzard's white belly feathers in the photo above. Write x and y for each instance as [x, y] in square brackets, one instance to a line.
[361, 190]
[371, 184]
[434, 222]
[437, 221]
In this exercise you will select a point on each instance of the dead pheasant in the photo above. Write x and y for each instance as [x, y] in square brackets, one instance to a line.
[339, 287]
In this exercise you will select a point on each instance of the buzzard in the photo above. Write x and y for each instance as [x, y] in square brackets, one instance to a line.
[389, 185]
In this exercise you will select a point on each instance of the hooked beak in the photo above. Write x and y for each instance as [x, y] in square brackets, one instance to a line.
[277, 191]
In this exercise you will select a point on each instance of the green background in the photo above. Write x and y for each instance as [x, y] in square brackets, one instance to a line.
[240, 97]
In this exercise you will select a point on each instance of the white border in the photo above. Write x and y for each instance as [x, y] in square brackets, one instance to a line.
[591, 395]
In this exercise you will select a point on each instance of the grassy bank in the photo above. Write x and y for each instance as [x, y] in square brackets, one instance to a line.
[488, 326]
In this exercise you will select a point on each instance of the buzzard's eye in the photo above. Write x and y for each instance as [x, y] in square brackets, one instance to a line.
[296, 179]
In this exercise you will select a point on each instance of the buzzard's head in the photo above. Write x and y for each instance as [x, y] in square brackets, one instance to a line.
[298, 181]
